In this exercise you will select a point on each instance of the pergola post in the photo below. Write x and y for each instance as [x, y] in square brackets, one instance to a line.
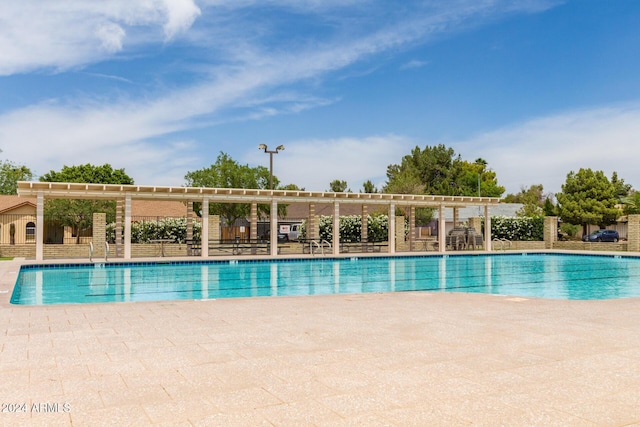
[127, 226]
[412, 227]
[204, 230]
[392, 228]
[273, 227]
[40, 226]
[336, 228]
[119, 209]
[442, 230]
[487, 229]
[253, 226]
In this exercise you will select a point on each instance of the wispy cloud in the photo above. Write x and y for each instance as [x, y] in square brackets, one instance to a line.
[413, 64]
[62, 35]
[544, 150]
[243, 83]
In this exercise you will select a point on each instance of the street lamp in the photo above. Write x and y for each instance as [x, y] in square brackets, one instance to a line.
[271, 153]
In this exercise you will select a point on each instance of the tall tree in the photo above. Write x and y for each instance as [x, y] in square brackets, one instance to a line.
[535, 202]
[78, 214]
[439, 170]
[10, 174]
[227, 173]
[369, 187]
[338, 186]
[588, 197]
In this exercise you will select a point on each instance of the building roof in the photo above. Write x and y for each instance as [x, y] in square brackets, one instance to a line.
[11, 202]
[164, 208]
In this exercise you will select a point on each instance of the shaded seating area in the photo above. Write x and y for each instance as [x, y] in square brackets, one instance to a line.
[463, 238]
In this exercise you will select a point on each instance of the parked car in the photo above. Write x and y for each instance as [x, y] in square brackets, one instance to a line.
[601, 236]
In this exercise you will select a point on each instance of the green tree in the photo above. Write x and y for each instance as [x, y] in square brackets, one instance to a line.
[78, 214]
[227, 173]
[588, 197]
[439, 170]
[622, 190]
[631, 203]
[10, 174]
[533, 199]
[472, 174]
[369, 187]
[338, 186]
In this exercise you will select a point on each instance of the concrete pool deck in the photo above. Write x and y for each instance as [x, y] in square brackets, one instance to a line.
[379, 359]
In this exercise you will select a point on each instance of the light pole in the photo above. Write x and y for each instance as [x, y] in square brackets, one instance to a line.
[271, 153]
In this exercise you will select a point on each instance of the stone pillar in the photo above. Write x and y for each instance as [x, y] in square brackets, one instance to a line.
[39, 226]
[205, 230]
[392, 228]
[253, 226]
[127, 227]
[633, 233]
[455, 217]
[476, 222]
[311, 223]
[550, 232]
[364, 231]
[189, 226]
[412, 228]
[119, 213]
[214, 228]
[99, 234]
[401, 242]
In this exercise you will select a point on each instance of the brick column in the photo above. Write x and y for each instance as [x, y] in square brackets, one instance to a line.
[119, 215]
[476, 222]
[311, 222]
[364, 231]
[189, 226]
[633, 233]
[401, 242]
[412, 227]
[550, 231]
[99, 234]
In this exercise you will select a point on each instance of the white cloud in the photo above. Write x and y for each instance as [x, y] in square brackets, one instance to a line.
[139, 134]
[545, 150]
[66, 34]
[313, 164]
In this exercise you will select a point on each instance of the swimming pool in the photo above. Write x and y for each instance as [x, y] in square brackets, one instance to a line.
[557, 276]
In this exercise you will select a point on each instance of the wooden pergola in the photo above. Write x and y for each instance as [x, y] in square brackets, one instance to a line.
[204, 195]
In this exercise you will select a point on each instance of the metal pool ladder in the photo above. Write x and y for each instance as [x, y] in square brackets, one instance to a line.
[106, 251]
[319, 246]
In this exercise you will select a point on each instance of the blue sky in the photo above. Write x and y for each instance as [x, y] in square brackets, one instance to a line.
[538, 88]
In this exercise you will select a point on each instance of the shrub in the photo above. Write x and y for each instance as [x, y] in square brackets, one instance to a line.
[351, 228]
[516, 228]
[174, 229]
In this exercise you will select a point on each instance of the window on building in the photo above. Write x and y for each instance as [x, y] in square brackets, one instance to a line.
[31, 232]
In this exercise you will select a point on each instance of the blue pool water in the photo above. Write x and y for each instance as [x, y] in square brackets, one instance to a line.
[579, 277]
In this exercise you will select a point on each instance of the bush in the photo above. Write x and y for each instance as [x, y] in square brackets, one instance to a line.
[516, 228]
[570, 230]
[174, 229]
[351, 228]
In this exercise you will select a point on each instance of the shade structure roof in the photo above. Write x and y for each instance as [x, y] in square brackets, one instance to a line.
[73, 190]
